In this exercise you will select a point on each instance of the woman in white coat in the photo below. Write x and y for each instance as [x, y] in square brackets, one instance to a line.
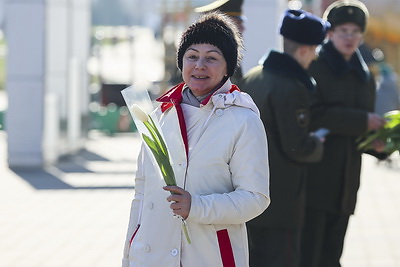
[219, 152]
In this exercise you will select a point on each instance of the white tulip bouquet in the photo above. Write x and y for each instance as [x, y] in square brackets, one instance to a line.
[152, 136]
[156, 144]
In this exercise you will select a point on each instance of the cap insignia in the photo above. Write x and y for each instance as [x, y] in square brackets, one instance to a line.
[350, 11]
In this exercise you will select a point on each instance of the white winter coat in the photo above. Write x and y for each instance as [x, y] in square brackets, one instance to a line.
[224, 167]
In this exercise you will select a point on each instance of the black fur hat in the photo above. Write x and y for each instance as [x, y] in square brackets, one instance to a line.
[344, 11]
[216, 29]
[303, 27]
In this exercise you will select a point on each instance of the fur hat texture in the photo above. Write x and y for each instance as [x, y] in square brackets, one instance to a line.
[303, 27]
[216, 29]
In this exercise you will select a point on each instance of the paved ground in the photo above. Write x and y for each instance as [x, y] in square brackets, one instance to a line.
[373, 238]
[71, 214]
[74, 214]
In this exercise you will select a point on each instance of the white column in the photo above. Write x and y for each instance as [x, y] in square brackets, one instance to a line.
[261, 34]
[74, 105]
[78, 100]
[57, 38]
[48, 46]
[25, 34]
[51, 140]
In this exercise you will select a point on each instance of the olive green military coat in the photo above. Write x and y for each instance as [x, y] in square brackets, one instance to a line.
[345, 95]
[280, 88]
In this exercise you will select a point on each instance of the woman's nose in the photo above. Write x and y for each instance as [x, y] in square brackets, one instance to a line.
[200, 63]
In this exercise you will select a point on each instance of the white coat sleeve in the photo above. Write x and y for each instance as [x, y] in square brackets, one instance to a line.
[250, 179]
[135, 207]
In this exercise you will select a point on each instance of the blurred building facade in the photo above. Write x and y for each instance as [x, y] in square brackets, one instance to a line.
[384, 29]
[48, 43]
[47, 79]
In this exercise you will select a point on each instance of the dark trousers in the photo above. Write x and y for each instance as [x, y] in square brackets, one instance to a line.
[273, 247]
[322, 239]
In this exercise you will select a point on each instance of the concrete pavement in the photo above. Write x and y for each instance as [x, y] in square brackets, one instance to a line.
[373, 237]
[74, 214]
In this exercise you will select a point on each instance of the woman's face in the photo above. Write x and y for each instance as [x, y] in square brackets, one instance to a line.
[346, 38]
[203, 69]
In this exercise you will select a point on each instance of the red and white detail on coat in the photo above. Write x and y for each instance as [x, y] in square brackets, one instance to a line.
[174, 98]
[224, 243]
[225, 248]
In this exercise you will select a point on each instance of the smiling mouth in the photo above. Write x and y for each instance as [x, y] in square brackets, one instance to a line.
[200, 77]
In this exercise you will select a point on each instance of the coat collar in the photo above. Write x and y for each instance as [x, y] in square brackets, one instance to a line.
[174, 95]
[171, 97]
[283, 63]
[340, 66]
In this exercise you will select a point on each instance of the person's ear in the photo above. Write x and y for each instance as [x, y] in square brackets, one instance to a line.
[303, 49]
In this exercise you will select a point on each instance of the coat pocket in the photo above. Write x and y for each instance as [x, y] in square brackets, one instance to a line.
[134, 234]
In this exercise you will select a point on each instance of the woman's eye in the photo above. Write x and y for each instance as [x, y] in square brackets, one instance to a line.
[211, 59]
[192, 57]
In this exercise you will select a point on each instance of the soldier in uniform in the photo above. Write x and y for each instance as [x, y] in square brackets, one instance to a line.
[344, 104]
[232, 8]
[281, 89]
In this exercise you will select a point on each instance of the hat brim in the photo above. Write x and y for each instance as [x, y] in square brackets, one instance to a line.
[212, 6]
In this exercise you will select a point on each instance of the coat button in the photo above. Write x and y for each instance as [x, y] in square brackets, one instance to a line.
[174, 252]
[146, 248]
[183, 164]
[150, 205]
[219, 112]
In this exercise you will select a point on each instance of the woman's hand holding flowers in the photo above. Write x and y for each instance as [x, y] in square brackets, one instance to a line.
[181, 200]
[375, 121]
[378, 145]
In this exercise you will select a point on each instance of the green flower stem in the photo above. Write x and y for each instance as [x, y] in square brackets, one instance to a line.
[163, 146]
[160, 152]
[185, 231]
[158, 148]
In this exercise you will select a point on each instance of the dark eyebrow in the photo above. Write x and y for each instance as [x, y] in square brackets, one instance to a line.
[192, 49]
[209, 51]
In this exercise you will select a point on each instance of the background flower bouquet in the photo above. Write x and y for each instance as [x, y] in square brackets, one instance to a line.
[390, 134]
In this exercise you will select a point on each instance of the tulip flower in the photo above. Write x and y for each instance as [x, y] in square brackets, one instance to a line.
[156, 144]
[390, 134]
